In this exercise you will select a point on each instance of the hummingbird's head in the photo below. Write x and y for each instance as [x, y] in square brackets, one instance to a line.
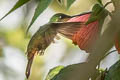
[59, 17]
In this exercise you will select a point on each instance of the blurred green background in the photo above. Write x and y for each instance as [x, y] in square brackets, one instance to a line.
[13, 41]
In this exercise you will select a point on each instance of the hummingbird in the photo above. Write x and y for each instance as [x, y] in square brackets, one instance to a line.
[83, 29]
[46, 34]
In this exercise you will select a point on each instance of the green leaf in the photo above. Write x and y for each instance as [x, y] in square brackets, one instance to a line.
[43, 4]
[53, 72]
[114, 72]
[17, 5]
[98, 13]
[69, 3]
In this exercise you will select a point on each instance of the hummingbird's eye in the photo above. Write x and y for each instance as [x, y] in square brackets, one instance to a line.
[60, 17]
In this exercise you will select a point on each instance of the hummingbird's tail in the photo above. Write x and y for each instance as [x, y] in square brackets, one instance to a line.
[29, 67]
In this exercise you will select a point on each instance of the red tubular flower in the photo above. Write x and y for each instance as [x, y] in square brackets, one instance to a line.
[87, 34]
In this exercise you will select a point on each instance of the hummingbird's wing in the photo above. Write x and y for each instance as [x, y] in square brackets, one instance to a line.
[49, 35]
[67, 29]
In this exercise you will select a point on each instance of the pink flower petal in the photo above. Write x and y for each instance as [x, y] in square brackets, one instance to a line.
[87, 34]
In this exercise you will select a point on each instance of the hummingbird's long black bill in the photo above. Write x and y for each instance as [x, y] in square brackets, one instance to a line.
[28, 69]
